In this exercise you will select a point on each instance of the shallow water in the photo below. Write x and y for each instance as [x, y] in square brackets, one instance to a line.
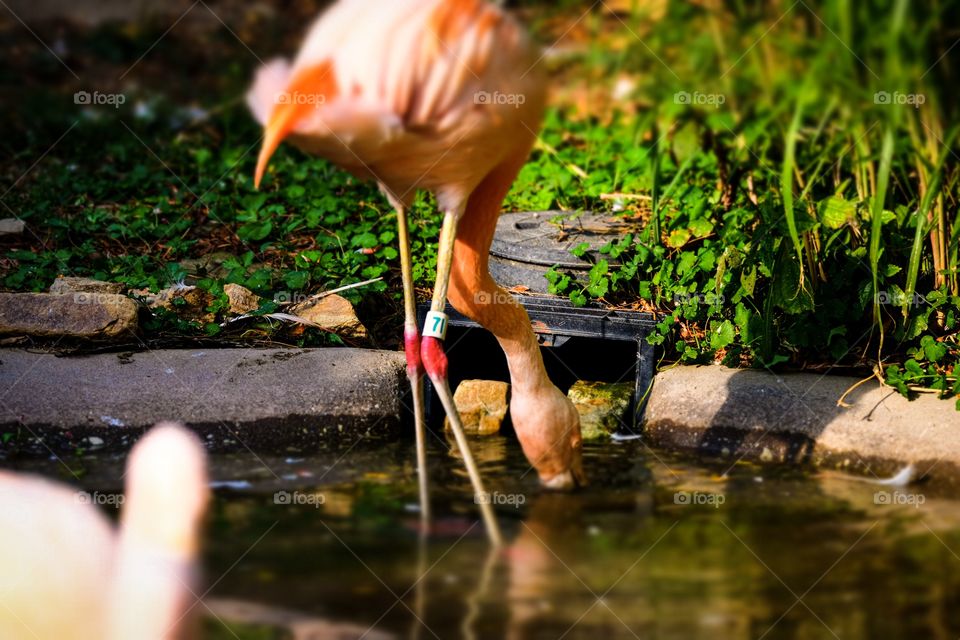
[657, 547]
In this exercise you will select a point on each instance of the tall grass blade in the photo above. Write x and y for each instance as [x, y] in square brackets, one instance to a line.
[922, 229]
[876, 221]
[786, 184]
[655, 170]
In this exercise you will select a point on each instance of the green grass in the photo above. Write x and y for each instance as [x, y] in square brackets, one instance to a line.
[790, 217]
[803, 230]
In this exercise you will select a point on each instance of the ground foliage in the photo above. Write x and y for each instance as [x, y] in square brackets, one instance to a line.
[794, 205]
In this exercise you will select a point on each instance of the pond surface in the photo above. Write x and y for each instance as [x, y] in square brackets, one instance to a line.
[656, 547]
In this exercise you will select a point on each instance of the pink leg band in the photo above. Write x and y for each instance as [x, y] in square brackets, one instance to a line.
[411, 347]
[434, 359]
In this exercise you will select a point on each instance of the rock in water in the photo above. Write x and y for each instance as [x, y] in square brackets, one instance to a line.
[482, 405]
[603, 407]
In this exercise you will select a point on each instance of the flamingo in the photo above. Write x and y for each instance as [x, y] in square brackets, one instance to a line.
[446, 96]
[68, 574]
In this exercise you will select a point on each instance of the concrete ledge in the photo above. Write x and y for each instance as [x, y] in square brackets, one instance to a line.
[273, 400]
[730, 413]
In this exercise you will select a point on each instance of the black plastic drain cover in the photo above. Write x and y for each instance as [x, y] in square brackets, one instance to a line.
[527, 244]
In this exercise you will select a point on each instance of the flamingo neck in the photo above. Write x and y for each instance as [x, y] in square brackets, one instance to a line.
[475, 293]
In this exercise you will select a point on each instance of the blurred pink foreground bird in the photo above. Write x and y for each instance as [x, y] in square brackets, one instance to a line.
[442, 95]
[67, 574]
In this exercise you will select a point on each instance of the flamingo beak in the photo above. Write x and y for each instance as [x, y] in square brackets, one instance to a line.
[289, 110]
[579, 475]
[279, 125]
[573, 478]
[317, 81]
[560, 482]
[570, 479]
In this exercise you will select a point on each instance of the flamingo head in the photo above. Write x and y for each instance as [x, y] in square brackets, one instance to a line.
[548, 427]
[283, 99]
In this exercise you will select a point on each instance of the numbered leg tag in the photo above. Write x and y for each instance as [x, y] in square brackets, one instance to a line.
[435, 325]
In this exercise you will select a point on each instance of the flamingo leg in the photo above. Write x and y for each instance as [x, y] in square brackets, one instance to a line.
[435, 363]
[411, 346]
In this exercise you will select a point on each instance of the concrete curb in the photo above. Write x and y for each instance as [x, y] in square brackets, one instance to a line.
[758, 416]
[297, 400]
[270, 400]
